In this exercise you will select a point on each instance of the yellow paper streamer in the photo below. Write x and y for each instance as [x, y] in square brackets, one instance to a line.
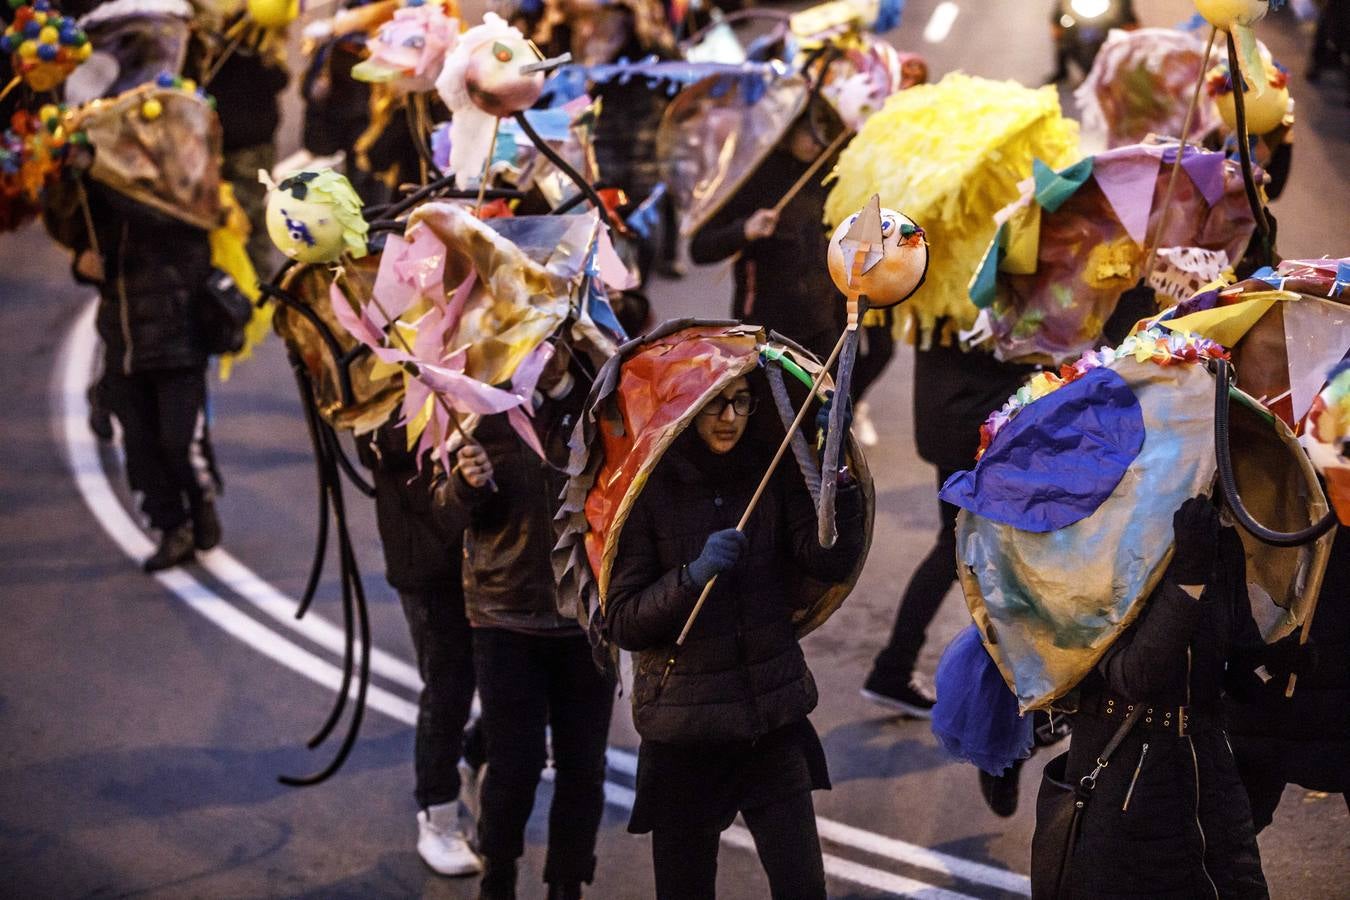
[1227, 324]
[229, 254]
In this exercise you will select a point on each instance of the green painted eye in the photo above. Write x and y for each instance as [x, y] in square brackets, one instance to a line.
[502, 52]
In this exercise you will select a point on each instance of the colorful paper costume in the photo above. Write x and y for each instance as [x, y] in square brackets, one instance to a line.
[44, 46]
[1142, 82]
[1065, 527]
[480, 82]
[408, 51]
[643, 399]
[160, 147]
[951, 155]
[33, 150]
[1076, 240]
[1286, 326]
[1327, 439]
[135, 41]
[716, 133]
[472, 304]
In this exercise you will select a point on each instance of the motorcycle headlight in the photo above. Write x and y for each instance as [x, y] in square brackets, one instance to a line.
[1090, 9]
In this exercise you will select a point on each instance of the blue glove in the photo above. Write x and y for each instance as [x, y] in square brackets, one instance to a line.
[722, 550]
[823, 414]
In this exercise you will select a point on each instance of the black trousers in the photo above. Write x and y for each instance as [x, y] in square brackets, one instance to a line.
[528, 683]
[443, 643]
[685, 860]
[164, 431]
[871, 365]
[923, 596]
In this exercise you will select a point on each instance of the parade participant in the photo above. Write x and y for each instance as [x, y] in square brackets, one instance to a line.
[247, 84]
[728, 732]
[1079, 29]
[422, 559]
[781, 277]
[954, 392]
[1304, 739]
[624, 140]
[1176, 822]
[150, 271]
[533, 666]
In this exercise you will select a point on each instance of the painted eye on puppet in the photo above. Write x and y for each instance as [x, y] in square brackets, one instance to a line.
[502, 53]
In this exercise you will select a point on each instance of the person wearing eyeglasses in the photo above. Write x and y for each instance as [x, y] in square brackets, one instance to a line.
[727, 731]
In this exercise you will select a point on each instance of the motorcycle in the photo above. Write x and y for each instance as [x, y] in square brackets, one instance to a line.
[1079, 28]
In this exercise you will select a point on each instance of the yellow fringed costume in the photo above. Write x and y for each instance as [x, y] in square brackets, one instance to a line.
[228, 254]
[950, 155]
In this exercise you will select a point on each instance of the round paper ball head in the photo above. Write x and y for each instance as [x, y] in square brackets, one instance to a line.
[1224, 14]
[899, 273]
[307, 231]
[1264, 112]
[494, 80]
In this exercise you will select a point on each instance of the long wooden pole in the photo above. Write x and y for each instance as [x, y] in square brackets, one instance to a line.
[797, 186]
[1181, 151]
[759, 493]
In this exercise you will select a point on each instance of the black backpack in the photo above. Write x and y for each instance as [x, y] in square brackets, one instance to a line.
[223, 313]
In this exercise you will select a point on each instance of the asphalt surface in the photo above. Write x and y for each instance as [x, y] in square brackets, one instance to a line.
[143, 721]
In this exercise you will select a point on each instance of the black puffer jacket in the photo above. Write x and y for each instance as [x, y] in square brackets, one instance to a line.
[509, 536]
[1306, 738]
[741, 674]
[783, 281]
[1169, 817]
[155, 270]
[954, 392]
[422, 550]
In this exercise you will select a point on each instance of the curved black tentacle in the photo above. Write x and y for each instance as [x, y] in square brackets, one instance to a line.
[1245, 153]
[348, 647]
[325, 334]
[321, 543]
[1228, 482]
[355, 592]
[566, 168]
[365, 488]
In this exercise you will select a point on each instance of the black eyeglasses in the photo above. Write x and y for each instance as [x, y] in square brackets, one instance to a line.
[742, 404]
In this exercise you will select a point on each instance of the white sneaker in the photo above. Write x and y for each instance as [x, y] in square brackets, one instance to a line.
[441, 844]
[863, 428]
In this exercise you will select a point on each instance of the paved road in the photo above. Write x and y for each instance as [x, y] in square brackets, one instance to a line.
[143, 721]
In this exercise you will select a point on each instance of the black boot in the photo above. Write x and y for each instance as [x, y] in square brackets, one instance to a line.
[499, 880]
[205, 526]
[100, 419]
[565, 891]
[1000, 791]
[175, 548]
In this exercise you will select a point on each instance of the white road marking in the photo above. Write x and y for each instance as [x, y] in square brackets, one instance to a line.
[77, 358]
[941, 22]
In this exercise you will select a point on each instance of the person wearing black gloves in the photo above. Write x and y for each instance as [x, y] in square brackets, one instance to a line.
[534, 665]
[1303, 739]
[954, 392]
[727, 730]
[1168, 816]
